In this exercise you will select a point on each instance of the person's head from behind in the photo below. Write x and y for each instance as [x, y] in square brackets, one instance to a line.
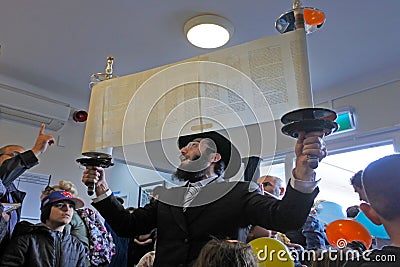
[57, 209]
[352, 211]
[381, 182]
[10, 151]
[272, 185]
[206, 154]
[226, 253]
[355, 181]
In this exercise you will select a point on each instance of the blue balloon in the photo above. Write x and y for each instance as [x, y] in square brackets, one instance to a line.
[377, 231]
[328, 211]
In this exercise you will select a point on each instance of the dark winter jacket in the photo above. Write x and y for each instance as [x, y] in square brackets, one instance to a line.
[35, 245]
[10, 170]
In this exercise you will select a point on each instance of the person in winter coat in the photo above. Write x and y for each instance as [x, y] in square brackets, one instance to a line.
[14, 161]
[47, 244]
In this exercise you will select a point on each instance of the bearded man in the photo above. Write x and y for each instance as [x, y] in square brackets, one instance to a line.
[207, 206]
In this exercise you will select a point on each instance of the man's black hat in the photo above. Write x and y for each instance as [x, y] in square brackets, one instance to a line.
[229, 153]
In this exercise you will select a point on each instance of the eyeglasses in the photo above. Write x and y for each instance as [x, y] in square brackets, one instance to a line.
[48, 190]
[267, 184]
[11, 154]
[63, 205]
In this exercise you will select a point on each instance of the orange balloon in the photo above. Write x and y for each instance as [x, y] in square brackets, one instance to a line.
[341, 232]
[314, 17]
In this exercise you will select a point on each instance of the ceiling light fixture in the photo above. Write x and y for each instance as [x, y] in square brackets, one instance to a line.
[208, 31]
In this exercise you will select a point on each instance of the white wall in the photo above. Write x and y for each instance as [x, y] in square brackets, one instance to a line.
[126, 180]
[120, 179]
[377, 115]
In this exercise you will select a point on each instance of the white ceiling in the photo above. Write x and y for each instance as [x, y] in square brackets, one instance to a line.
[56, 45]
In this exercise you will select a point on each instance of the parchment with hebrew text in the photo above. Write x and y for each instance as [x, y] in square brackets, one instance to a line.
[251, 83]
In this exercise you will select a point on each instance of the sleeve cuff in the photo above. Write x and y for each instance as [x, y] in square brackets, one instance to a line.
[102, 196]
[304, 186]
[29, 159]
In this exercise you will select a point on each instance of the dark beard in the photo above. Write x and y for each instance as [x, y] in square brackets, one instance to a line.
[192, 171]
[192, 177]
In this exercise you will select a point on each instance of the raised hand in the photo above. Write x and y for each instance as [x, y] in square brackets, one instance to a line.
[308, 144]
[95, 175]
[42, 142]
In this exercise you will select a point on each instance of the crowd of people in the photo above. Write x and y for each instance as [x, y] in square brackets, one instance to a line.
[209, 221]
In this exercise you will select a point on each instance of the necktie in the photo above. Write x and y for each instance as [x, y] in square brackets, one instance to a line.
[13, 215]
[190, 195]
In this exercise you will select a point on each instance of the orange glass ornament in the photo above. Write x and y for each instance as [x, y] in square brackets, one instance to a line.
[314, 17]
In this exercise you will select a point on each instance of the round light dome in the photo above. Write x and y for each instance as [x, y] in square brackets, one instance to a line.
[208, 31]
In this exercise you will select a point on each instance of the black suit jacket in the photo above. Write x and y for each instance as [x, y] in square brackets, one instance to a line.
[218, 211]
